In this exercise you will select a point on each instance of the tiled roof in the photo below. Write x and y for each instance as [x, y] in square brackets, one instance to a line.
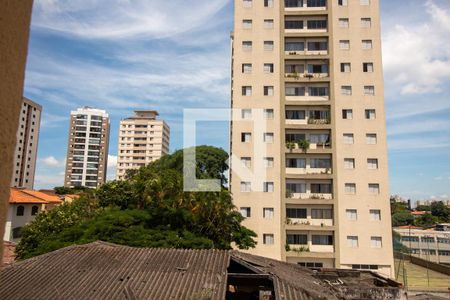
[43, 196]
[18, 196]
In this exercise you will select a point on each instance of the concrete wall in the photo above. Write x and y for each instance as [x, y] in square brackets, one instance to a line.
[15, 19]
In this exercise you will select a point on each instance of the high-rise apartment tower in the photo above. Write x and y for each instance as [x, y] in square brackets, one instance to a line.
[26, 145]
[142, 139]
[312, 69]
[87, 152]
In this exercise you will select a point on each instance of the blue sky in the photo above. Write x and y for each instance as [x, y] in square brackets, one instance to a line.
[122, 55]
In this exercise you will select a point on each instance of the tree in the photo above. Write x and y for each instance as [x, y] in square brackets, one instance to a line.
[426, 220]
[440, 210]
[150, 209]
[423, 208]
[402, 218]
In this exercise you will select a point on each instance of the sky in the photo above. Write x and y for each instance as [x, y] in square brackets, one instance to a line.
[122, 55]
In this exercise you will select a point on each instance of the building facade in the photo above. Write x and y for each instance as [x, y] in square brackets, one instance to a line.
[432, 245]
[87, 151]
[27, 145]
[142, 139]
[312, 71]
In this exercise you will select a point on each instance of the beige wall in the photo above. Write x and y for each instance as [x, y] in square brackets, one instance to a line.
[15, 19]
[15, 221]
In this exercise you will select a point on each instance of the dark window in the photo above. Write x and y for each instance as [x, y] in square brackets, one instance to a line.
[17, 232]
[293, 3]
[322, 240]
[296, 213]
[317, 24]
[294, 46]
[317, 46]
[20, 210]
[320, 188]
[316, 3]
[297, 239]
[293, 24]
[34, 210]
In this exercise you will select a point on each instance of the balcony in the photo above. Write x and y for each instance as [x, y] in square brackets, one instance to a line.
[301, 118]
[296, 93]
[305, 6]
[305, 243]
[315, 26]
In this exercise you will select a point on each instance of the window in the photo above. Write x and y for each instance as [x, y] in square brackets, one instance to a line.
[296, 213]
[296, 187]
[317, 46]
[293, 24]
[247, 45]
[346, 90]
[370, 114]
[268, 45]
[246, 113]
[364, 267]
[268, 3]
[268, 239]
[20, 210]
[17, 232]
[317, 213]
[343, 23]
[34, 210]
[320, 163]
[352, 214]
[364, 2]
[268, 213]
[318, 91]
[313, 265]
[246, 186]
[375, 242]
[268, 68]
[320, 188]
[268, 137]
[349, 163]
[317, 24]
[342, 2]
[322, 240]
[352, 241]
[372, 163]
[368, 67]
[369, 90]
[350, 188]
[246, 137]
[247, 24]
[349, 139]
[268, 113]
[268, 187]
[246, 68]
[344, 44]
[297, 239]
[366, 22]
[268, 162]
[268, 24]
[246, 161]
[296, 162]
[294, 46]
[371, 139]
[295, 114]
[345, 67]
[347, 114]
[367, 44]
[248, 3]
[245, 212]
[374, 188]
[268, 91]
[246, 91]
[375, 214]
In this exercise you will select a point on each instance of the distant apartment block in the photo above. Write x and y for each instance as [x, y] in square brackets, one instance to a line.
[87, 151]
[312, 70]
[27, 145]
[142, 139]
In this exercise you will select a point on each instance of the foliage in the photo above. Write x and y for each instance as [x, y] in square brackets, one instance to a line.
[423, 208]
[62, 190]
[397, 207]
[426, 220]
[150, 209]
[303, 144]
[397, 244]
[440, 210]
[402, 218]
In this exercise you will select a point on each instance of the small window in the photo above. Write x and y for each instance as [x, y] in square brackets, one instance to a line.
[268, 162]
[345, 67]
[268, 137]
[364, 2]
[342, 2]
[34, 210]
[375, 214]
[247, 24]
[268, 91]
[371, 138]
[246, 137]
[352, 241]
[374, 188]
[246, 113]
[268, 68]
[367, 44]
[344, 44]
[376, 242]
[268, 187]
[246, 161]
[366, 22]
[246, 68]
[247, 45]
[350, 188]
[268, 45]
[246, 186]
[268, 213]
[368, 67]
[349, 163]
[349, 139]
[268, 23]
[246, 91]
[343, 22]
[346, 90]
[20, 210]
[245, 212]
[268, 239]
[369, 90]
[268, 113]
[248, 3]
[372, 163]
[352, 214]
[370, 114]
[347, 114]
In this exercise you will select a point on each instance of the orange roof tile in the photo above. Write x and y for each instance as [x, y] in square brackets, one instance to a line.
[43, 196]
[418, 212]
[28, 196]
[74, 196]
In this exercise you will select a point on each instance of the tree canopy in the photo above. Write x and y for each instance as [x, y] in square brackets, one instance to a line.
[149, 209]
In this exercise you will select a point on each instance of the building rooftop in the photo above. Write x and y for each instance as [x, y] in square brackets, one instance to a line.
[25, 196]
[144, 114]
[107, 271]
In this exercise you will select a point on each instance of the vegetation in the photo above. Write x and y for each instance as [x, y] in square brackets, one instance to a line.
[149, 209]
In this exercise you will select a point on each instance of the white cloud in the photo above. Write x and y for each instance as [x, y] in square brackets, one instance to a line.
[51, 161]
[112, 161]
[112, 19]
[417, 57]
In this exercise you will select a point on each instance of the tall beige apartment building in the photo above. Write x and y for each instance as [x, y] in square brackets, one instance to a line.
[27, 145]
[87, 151]
[313, 70]
[142, 139]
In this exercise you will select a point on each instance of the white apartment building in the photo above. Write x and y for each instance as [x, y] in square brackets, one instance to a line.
[142, 139]
[314, 68]
[87, 151]
[26, 145]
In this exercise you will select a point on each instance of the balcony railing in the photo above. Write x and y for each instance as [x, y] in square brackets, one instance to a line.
[312, 171]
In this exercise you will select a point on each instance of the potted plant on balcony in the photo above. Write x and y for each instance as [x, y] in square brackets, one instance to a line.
[290, 145]
[309, 76]
[304, 145]
[289, 194]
